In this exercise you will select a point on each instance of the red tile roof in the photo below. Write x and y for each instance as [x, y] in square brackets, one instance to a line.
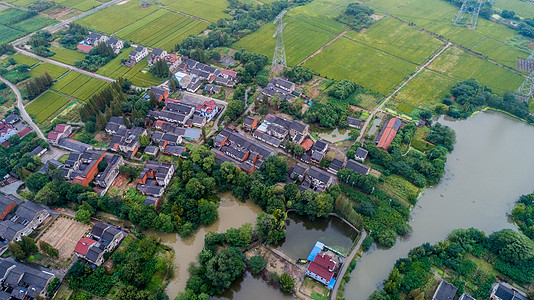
[60, 128]
[307, 143]
[159, 123]
[389, 134]
[229, 73]
[52, 135]
[83, 245]
[207, 106]
[322, 266]
[24, 132]
[84, 48]
[172, 58]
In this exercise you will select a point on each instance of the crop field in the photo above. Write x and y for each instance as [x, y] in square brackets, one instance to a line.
[33, 24]
[46, 105]
[136, 75]
[301, 40]
[462, 65]
[8, 34]
[427, 89]
[210, 10]
[507, 55]
[162, 29]
[66, 56]
[116, 17]
[52, 70]
[16, 23]
[373, 69]
[23, 59]
[396, 38]
[78, 85]
[64, 234]
[521, 8]
[322, 8]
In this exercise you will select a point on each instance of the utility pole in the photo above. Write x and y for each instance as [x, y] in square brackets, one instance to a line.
[279, 57]
[468, 14]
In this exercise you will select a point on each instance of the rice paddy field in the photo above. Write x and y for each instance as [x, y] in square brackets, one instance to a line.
[46, 105]
[23, 59]
[210, 10]
[426, 90]
[66, 56]
[137, 75]
[78, 85]
[521, 8]
[52, 70]
[16, 23]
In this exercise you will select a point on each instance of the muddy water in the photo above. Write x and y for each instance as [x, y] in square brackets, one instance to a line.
[232, 213]
[490, 167]
[250, 287]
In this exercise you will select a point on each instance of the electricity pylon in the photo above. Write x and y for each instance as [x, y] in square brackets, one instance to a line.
[279, 57]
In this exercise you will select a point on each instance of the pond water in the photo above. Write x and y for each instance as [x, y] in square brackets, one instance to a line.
[488, 170]
[251, 287]
[332, 136]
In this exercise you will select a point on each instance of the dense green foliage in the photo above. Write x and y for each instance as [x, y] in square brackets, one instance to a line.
[463, 258]
[252, 64]
[357, 16]
[326, 115]
[523, 214]
[17, 156]
[298, 74]
[160, 69]
[38, 85]
[469, 96]
[70, 37]
[97, 57]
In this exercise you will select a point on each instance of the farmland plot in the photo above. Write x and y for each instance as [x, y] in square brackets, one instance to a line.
[23, 59]
[52, 70]
[426, 89]
[136, 75]
[67, 56]
[210, 10]
[46, 105]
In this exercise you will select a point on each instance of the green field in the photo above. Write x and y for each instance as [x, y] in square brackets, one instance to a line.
[373, 69]
[210, 10]
[67, 56]
[33, 24]
[322, 8]
[396, 38]
[78, 85]
[426, 89]
[461, 65]
[521, 8]
[162, 29]
[86, 5]
[46, 105]
[16, 23]
[52, 70]
[23, 59]
[8, 34]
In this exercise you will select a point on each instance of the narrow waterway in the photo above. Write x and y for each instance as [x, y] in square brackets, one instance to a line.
[250, 287]
[490, 167]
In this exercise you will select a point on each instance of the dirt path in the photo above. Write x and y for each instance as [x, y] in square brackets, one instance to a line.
[324, 46]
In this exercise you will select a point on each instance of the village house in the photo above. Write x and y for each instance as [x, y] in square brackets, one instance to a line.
[105, 178]
[317, 180]
[298, 172]
[388, 133]
[23, 221]
[39, 151]
[91, 41]
[354, 122]
[250, 123]
[212, 89]
[114, 125]
[198, 121]
[466, 296]
[84, 167]
[282, 87]
[151, 150]
[275, 129]
[184, 80]
[174, 112]
[306, 144]
[173, 61]
[6, 131]
[115, 44]
[154, 178]
[137, 55]
[159, 93]
[59, 132]
[127, 140]
[11, 119]
[335, 165]
[445, 291]
[20, 281]
[73, 145]
[227, 78]
[323, 265]
[7, 203]
[357, 167]
[499, 291]
[208, 109]
[156, 55]
[361, 154]
[102, 239]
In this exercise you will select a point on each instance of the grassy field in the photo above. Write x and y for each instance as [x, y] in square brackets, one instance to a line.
[462, 65]
[16, 23]
[136, 75]
[298, 40]
[322, 8]
[521, 8]
[46, 105]
[78, 85]
[33, 24]
[53, 70]
[162, 29]
[375, 70]
[396, 38]
[427, 89]
[23, 59]
[67, 56]
[210, 10]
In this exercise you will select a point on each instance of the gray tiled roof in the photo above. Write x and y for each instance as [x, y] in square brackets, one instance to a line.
[357, 167]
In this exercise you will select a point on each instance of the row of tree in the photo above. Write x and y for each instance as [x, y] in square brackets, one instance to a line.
[37, 85]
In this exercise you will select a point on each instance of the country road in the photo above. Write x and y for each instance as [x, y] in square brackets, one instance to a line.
[379, 108]
[57, 63]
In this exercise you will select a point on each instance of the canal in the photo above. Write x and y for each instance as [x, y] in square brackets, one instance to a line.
[488, 170]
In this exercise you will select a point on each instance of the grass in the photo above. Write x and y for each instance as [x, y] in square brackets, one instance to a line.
[67, 56]
[399, 187]
[46, 105]
[521, 8]
[210, 10]
[405, 108]
[23, 59]
[297, 39]
[426, 89]
[86, 5]
[462, 65]
[374, 70]
[8, 34]
[399, 39]
[52, 70]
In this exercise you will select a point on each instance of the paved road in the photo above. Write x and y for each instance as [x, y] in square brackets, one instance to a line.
[379, 108]
[333, 295]
[54, 27]
[57, 63]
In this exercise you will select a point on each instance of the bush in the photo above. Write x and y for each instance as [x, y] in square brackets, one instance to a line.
[257, 264]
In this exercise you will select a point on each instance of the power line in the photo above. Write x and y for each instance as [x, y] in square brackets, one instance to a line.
[468, 14]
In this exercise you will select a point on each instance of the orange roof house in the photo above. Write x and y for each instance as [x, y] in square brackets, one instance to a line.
[388, 133]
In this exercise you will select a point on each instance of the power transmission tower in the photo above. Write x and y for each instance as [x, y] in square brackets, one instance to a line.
[468, 14]
[526, 90]
[279, 57]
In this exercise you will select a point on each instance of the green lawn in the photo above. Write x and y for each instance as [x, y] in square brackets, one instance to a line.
[399, 39]
[53, 70]
[46, 105]
[426, 90]
[373, 69]
[67, 56]
[462, 65]
[210, 10]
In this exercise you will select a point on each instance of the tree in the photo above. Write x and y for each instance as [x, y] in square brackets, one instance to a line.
[144, 140]
[83, 216]
[267, 228]
[225, 267]
[16, 250]
[287, 283]
[48, 249]
[208, 212]
[36, 181]
[257, 264]
[511, 246]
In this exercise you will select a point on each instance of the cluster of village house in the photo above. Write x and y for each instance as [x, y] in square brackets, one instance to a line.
[18, 219]
[10, 126]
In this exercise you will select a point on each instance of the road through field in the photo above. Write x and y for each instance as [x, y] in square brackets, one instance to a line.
[324, 46]
[379, 108]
